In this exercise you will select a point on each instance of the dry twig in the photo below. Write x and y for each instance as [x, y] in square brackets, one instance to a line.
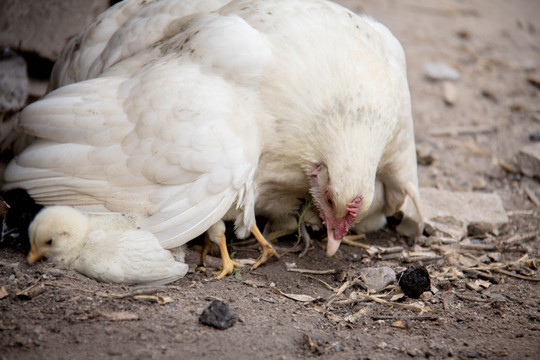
[507, 166]
[313, 272]
[511, 213]
[472, 298]
[421, 309]
[328, 286]
[518, 276]
[408, 318]
[463, 130]
[144, 294]
[532, 196]
[519, 237]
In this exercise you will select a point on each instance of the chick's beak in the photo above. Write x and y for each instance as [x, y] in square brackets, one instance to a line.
[34, 255]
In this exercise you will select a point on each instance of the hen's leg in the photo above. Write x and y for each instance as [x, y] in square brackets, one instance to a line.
[207, 246]
[228, 265]
[216, 234]
[267, 249]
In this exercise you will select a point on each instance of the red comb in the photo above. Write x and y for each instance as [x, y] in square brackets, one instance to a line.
[353, 206]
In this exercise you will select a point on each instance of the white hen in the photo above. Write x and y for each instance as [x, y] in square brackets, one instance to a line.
[106, 247]
[222, 114]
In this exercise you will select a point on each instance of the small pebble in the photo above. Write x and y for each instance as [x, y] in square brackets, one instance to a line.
[440, 71]
[479, 183]
[495, 256]
[489, 95]
[463, 34]
[450, 93]
[528, 159]
[400, 324]
[218, 315]
[377, 279]
[534, 80]
[424, 155]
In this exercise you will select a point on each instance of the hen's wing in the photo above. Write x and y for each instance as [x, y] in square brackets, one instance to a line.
[122, 31]
[169, 133]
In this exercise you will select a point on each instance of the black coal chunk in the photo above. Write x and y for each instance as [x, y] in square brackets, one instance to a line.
[414, 281]
[534, 136]
[18, 210]
[218, 315]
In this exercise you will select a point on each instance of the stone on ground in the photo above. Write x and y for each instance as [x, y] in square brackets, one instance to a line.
[458, 214]
[528, 160]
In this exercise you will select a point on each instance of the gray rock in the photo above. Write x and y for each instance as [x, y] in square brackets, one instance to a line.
[528, 160]
[458, 214]
[44, 27]
[218, 315]
[440, 71]
[13, 81]
[377, 279]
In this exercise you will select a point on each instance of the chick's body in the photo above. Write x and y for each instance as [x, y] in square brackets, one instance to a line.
[106, 247]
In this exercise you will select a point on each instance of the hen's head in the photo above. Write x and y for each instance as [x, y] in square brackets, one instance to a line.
[59, 233]
[340, 203]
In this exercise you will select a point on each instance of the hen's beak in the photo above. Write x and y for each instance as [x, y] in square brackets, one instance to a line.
[337, 230]
[332, 244]
[34, 255]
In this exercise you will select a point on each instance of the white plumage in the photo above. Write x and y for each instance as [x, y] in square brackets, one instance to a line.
[107, 247]
[190, 112]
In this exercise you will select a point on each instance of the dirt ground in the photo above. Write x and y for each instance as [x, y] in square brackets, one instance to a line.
[490, 313]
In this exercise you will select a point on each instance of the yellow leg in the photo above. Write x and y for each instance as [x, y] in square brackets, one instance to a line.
[228, 265]
[267, 249]
[207, 245]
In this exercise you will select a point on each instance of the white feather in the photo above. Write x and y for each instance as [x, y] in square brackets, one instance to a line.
[189, 112]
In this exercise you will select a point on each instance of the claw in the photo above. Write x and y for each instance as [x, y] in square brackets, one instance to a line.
[226, 269]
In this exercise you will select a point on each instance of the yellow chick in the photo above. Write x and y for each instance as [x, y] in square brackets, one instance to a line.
[107, 247]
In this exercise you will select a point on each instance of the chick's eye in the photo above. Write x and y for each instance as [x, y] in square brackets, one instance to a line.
[48, 242]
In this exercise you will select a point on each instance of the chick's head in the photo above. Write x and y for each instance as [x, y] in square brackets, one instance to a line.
[58, 233]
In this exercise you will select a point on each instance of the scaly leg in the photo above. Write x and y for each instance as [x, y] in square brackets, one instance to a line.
[228, 265]
[216, 234]
[207, 245]
[268, 250]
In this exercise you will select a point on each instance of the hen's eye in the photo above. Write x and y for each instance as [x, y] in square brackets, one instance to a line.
[48, 242]
[329, 200]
